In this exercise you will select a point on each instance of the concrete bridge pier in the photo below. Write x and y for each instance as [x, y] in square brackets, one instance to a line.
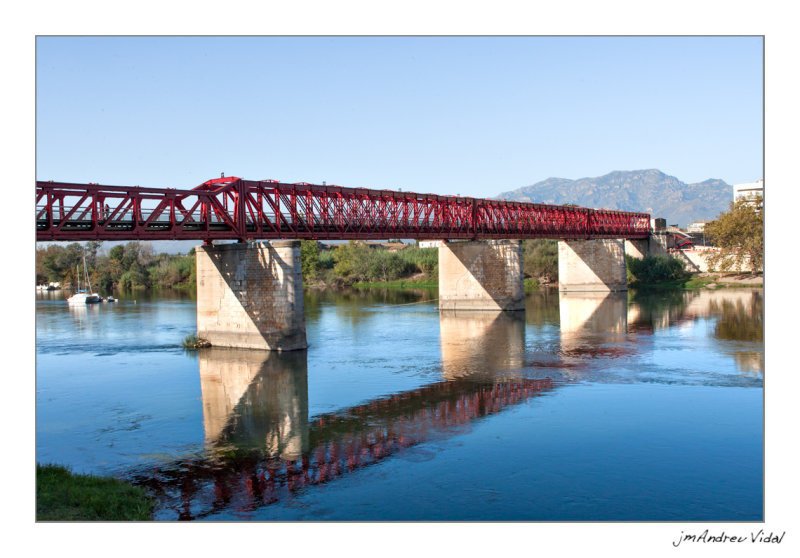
[251, 296]
[481, 275]
[637, 248]
[592, 265]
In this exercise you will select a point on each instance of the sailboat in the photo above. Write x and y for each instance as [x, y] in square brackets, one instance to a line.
[83, 296]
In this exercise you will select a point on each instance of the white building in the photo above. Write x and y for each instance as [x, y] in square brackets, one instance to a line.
[697, 226]
[749, 190]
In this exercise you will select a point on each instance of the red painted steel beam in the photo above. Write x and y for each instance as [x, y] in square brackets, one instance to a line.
[231, 208]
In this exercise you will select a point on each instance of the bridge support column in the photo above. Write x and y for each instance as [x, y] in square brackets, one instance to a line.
[592, 265]
[637, 248]
[251, 296]
[659, 244]
[481, 275]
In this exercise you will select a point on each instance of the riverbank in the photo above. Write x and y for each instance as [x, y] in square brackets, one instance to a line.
[693, 282]
[399, 284]
[64, 496]
[706, 280]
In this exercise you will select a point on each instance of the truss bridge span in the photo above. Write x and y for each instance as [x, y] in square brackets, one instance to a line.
[231, 208]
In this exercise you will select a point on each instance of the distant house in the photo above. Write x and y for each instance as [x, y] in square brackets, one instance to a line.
[697, 226]
[392, 246]
[748, 190]
[430, 243]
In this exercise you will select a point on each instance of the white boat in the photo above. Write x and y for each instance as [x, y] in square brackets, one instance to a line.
[83, 297]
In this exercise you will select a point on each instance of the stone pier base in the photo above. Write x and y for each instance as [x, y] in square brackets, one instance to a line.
[592, 265]
[481, 275]
[251, 296]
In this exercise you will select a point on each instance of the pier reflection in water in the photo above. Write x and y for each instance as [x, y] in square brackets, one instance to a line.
[262, 447]
[481, 343]
[255, 400]
[592, 325]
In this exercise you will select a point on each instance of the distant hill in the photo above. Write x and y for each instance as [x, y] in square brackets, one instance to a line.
[650, 191]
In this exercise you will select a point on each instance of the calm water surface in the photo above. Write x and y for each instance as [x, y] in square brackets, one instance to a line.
[619, 407]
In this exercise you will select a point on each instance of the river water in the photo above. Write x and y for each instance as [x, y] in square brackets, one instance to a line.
[626, 407]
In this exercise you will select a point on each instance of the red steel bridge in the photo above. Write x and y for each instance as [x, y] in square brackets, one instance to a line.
[231, 208]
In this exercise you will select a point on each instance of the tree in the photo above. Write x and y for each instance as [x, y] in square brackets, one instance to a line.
[62, 263]
[353, 261]
[309, 259]
[117, 253]
[91, 250]
[739, 234]
[385, 266]
[540, 259]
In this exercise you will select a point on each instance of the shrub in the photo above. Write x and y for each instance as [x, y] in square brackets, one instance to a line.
[654, 269]
[192, 341]
[309, 259]
[425, 260]
[540, 258]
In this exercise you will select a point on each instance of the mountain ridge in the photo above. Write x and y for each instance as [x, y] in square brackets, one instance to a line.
[646, 190]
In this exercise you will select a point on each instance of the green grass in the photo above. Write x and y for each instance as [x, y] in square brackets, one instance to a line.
[695, 282]
[687, 283]
[64, 496]
[399, 284]
[184, 286]
[530, 284]
[691, 283]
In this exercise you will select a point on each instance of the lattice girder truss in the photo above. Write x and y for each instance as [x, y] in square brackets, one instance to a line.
[233, 208]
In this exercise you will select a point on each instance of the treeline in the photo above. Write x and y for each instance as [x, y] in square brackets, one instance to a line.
[136, 265]
[356, 262]
[126, 266]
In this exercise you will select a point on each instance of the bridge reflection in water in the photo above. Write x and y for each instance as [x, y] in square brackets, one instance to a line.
[261, 446]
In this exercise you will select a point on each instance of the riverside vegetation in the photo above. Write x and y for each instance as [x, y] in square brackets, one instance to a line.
[126, 266]
[369, 265]
[355, 264]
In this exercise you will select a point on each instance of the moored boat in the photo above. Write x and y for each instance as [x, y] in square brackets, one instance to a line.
[84, 296]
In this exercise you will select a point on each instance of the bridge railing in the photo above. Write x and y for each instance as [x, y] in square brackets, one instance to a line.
[241, 209]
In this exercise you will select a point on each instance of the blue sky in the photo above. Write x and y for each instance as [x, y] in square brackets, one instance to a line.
[472, 115]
